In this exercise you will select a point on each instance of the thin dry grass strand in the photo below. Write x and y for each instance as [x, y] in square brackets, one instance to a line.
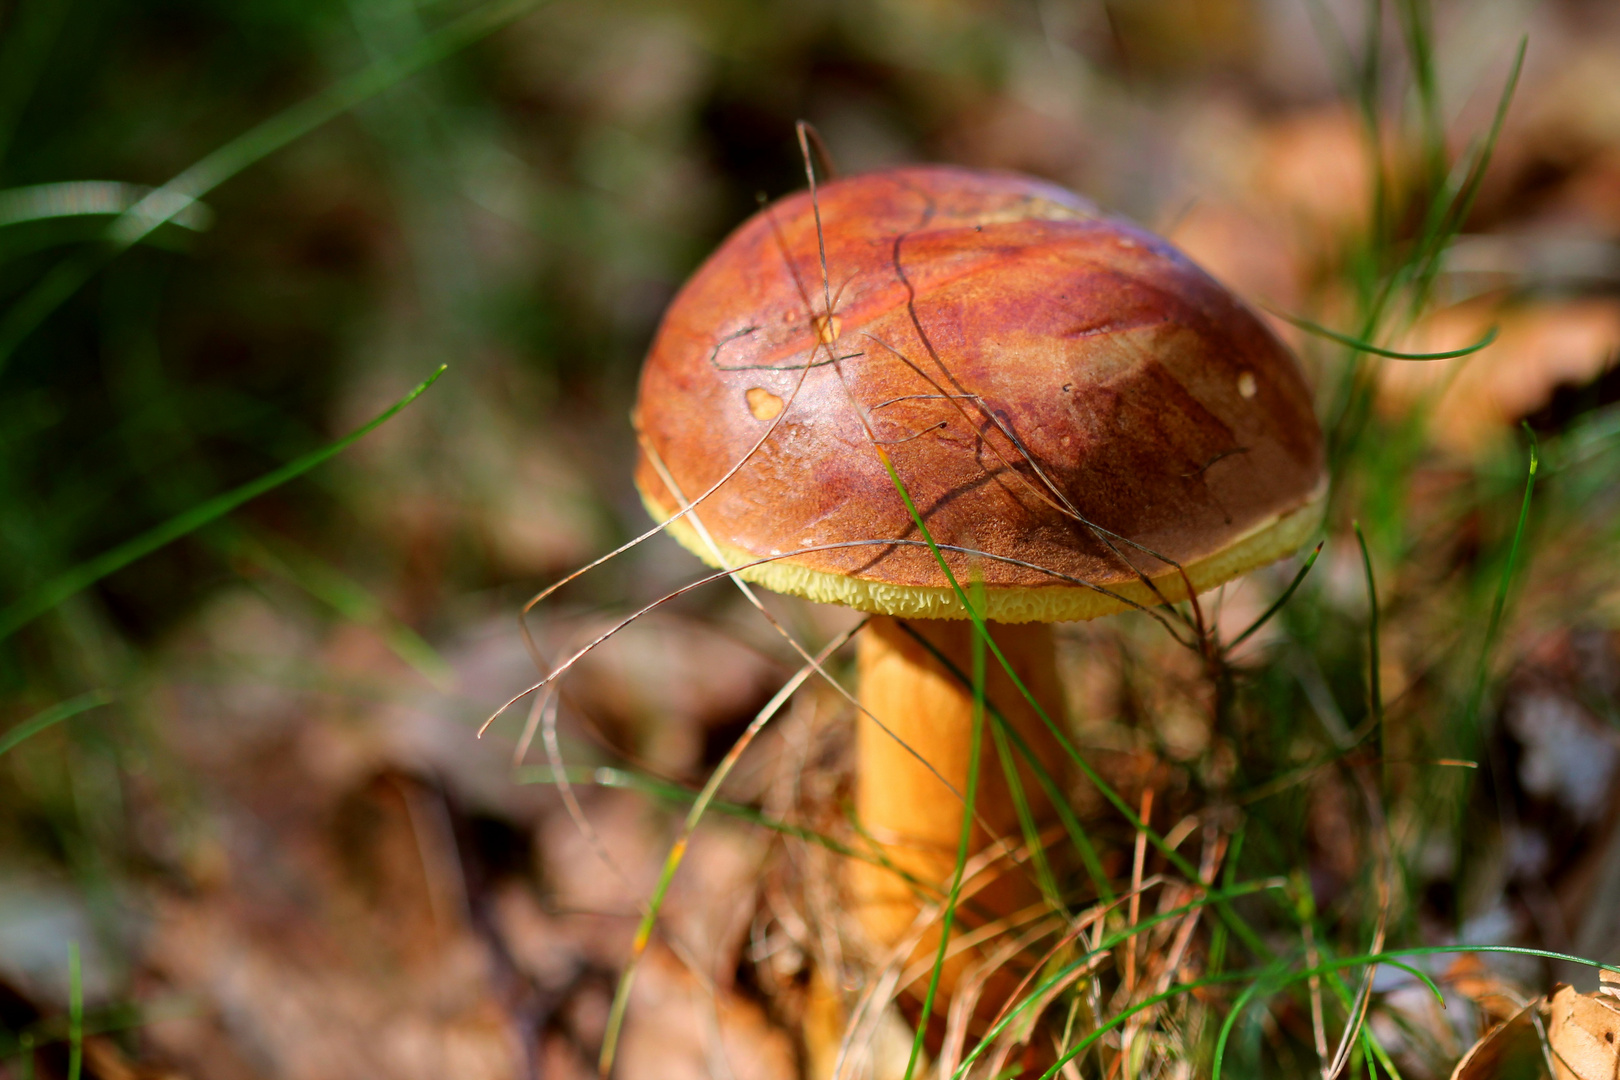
[565, 790]
[868, 1011]
[965, 1002]
[963, 943]
[1318, 1023]
[1138, 859]
[1087, 970]
[714, 1048]
[702, 530]
[1214, 852]
[1015, 1003]
[688, 507]
[816, 664]
[879, 992]
[823, 154]
[865, 418]
[566, 665]
[677, 851]
[965, 395]
[544, 594]
[1133, 916]
[804, 129]
[1386, 900]
[530, 726]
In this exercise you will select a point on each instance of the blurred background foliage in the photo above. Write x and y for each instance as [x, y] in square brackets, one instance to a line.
[271, 832]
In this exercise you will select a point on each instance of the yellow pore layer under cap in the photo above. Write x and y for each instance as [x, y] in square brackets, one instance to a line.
[1266, 542]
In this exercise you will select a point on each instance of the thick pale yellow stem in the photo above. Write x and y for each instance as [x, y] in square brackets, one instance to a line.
[907, 808]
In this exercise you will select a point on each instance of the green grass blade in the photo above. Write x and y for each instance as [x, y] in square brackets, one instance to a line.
[289, 125]
[1389, 956]
[1058, 798]
[964, 839]
[1026, 820]
[1106, 945]
[1250, 992]
[54, 715]
[1417, 27]
[1447, 222]
[1277, 605]
[53, 592]
[80, 198]
[1175, 858]
[347, 597]
[1359, 345]
[1142, 1006]
[626, 780]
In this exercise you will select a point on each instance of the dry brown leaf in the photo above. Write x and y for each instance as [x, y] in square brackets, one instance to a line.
[1509, 1051]
[1584, 1033]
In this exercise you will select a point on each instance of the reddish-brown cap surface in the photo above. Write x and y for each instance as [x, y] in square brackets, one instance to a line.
[1044, 379]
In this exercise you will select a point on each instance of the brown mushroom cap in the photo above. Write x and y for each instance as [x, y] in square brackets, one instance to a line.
[1099, 385]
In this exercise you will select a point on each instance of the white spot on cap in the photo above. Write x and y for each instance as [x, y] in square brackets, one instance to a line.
[1246, 384]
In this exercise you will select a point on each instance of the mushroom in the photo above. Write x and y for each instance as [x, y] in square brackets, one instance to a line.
[1084, 420]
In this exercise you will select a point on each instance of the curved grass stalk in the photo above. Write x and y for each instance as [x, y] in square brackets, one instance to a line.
[1388, 956]
[88, 198]
[566, 665]
[1360, 345]
[20, 733]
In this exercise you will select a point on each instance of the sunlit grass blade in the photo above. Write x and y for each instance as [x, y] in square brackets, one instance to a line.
[1026, 819]
[677, 851]
[1043, 776]
[1441, 230]
[164, 203]
[347, 597]
[53, 592]
[37, 723]
[1416, 20]
[628, 780]
[1277, 605]
[80, 198]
